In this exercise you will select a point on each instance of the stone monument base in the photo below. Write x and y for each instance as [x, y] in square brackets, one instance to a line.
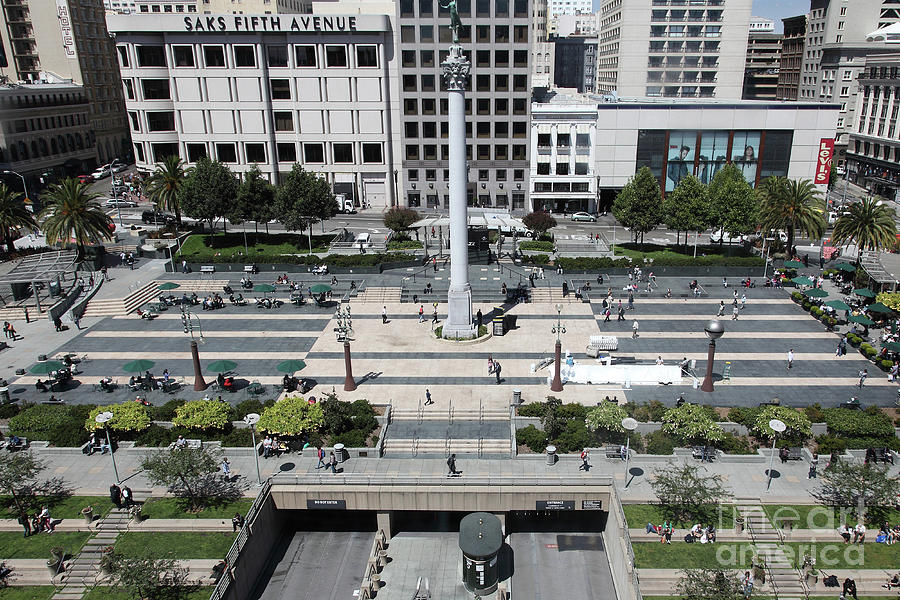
[459, 315]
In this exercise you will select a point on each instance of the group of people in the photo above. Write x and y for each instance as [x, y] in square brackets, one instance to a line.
[122, 497]
[36, 523]
[213, 301]
[146, 382]
[858, 533]
[330, 463]
[272, 446]
[290, 383]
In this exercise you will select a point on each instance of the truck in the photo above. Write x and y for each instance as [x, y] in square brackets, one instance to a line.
[345, 204]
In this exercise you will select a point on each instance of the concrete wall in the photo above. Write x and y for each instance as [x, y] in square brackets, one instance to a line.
[620, 553]
[264, 533]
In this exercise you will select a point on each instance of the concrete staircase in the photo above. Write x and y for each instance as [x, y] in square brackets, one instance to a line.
[445, 447]
[149, 292]
[552, 295]
[83, 571]
[783, 578]
[15, 313]
[379, 295]
[487, 432]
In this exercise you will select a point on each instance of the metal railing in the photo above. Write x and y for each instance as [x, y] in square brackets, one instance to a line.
[360, 479]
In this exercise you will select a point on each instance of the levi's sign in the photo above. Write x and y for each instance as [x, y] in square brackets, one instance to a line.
[242, 23]
[823, 163]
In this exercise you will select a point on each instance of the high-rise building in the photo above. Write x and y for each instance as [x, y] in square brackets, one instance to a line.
[576, 63]
[568, 7]
[793, 42]
[496, 39]
[70, 42]
[763, 60]
[674, 49]
[542, 60]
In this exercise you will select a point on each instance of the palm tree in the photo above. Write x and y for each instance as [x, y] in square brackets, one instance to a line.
[165, 184]
[790, 205]
[13, 215]
[73, 212]
[867, 223]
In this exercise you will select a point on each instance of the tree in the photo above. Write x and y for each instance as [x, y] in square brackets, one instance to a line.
[192, 474]
[399, 218]
[127, 416]
[868, 488]
[733, 205]
[209, 191]
[72, 212]
[639, 205]
[692, 423]
[13, 215]
[302, 200]
[291, 416]
[869, 225]
[606, 417]
[790, 205]
[18, 473]
[145, 577]
[799, 427]
[164, 185]
[539, 223]
[687, 207]
[686, 494]
[202, 414]
[255, 196]
[550, 420]
[710, 584]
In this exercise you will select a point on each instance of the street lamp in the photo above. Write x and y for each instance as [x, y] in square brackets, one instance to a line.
[187, 325]
[112, 179]
[714, 330]
[556, 385]
[24, 187]
[252, 419]
[344, 332]
[102, 419]
[630, 425]
[778, 427]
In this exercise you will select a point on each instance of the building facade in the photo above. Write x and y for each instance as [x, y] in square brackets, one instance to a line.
[576, 63]
[673, 49]
[270, 90]
[790, 65]
[762, 67]
[568, 7]
[496, 39]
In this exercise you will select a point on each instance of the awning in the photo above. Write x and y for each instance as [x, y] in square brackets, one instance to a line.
[476, 218]
[582, 128]
[544, 128]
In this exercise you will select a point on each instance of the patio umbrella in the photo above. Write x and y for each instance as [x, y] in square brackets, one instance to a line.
[136, 366]
[802, 280]
[837, 305]
[221, 366]
[864, 292]
[42, 368]
[793, 264]
[892, 346]
[861, 319]
[815, 293]
[291, 366]
[879, 308]
[169, 285]
[263, 288]
[842, 266]
[320, 288]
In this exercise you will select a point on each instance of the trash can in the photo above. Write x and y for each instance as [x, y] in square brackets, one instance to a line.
[339, 453]
[551, 455]
[517, 397]
[499, 326]
[509, 322]
[54, 289]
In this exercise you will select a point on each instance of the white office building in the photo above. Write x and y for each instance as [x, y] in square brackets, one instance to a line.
[568, 7]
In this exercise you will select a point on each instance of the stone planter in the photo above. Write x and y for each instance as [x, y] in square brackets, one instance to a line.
[739, 525]
[53, 566]
[88, 514]
[136, 516]
[57, 553]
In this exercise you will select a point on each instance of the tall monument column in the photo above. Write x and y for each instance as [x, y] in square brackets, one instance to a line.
[459, 322]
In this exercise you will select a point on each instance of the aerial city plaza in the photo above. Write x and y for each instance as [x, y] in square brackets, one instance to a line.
[449, 299]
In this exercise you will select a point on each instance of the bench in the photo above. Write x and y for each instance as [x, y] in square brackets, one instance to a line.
[882, 455]
[53, 402]
[190, 444]
[614, 452]
[207, 269]
[795, 453]
[251, 269]
[601, 342]
[87, 449]
[703, 453]
[22, 445]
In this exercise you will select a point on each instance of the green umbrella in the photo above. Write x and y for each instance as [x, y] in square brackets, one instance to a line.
[42, 368]
[815, 293]
[263, 288]
[892, 346]
[802, 280]
[842, 266]
[169, 285]
[793, 264]
[136, 366]
[862, 320]
[320, 288]
[291, 366]
[837, 305]
[864, 292]
[221, 366]
[879, 308]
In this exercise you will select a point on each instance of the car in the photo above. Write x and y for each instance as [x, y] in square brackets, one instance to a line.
[153, 216]
[716, 237]
[85, 179]
[119, 167]
[583, 216]
[100, 173]
[114, 203]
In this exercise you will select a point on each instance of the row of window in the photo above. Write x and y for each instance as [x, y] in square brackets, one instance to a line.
[483, 106]
[482, 34]
[179, 8]
[563, 168]
[878, 151]
[564, 140]
[414, 152]
[414, 199]
[562, 186]
[215, 56]
[482, 58]
[40, 147]
[482, 83]
[255, 152]
[41, 123]
[483, 129]
[483, 8]
[483, 174]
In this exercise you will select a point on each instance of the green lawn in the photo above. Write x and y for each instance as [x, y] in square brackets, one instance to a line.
[170, 508]
[181, 544]
[13, 545]
[69, 508]
[108, 593]
[656, 251]
[817, 517]
[755, 597]
[232, 243]
[27, 592]
[638, 515]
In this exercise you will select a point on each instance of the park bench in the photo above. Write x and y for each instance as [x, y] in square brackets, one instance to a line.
[614, 452]
[882, 455]
[58, 401]
[795, 453]
[190, 444]
[251, 269]
[207, 269]
[86, 447]
[22, 445]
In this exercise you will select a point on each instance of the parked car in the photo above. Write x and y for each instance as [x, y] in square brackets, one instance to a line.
[119, 167]
[101, 172]
[583, 216]
[114, 203]
[716, 236]
[86, 178]
[153, 216]
[517, 229]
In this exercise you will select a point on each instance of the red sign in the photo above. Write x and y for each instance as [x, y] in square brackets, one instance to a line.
[823, 167]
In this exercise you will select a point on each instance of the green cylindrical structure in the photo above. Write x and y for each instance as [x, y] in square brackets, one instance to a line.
[480, 539]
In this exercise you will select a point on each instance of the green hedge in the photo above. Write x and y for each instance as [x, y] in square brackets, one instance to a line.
[404, 245]
[536, 259]
[59, 425]
[537, 245]
[847, 423]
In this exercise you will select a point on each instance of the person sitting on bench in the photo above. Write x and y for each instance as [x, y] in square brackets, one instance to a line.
[40, 386]
[228, 384]
[220, 380]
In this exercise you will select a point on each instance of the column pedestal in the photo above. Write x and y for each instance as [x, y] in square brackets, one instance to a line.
[199, 383]
[349, 382]
[556, 385]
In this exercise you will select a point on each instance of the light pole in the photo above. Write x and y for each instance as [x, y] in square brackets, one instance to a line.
[344, 332]
[556, 385]
[252, 419]
[714, 330]
[187, 325]
[102, 419]
[24, 186]
[112, 179]
[778, 427]
[630, 425]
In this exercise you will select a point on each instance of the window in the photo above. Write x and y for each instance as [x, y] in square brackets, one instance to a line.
[414, 199]
[520, 129]
[343, 152]
[562, 168]
[581, 168]
[244, 56]
[543, 168]
[410, 106]
[408, 34]
[255, 153]
[129, 88]
[518, 152]
[281, 89]
[161, 121]
[409, 83]
[519, 106]
[161, 150]
[520, 82]
[412, 152]
[845, 91]
[501, 33]
[413, 175]
[366, 56]
[305, 55]
[151, 56]
[429, 129]
[139, 152]
[314, 152]
[277, 56]
[195, 152]
[519, 174]
[284, 120]
[483, 83]
[501, 174]
[484, 175]
[520, 58]
[226, 153]
[407, 8]
[484, 152]
[430, 152]
[184, 56]
[123, 56]
[335, 56]
[501, 83]
[482, 34]
[287, 152]
[156, 89]
[427, 83]
[408, 58]
[372, 153]
[501, 106]
[482, 8]
[427, 58]
[426, 33]
[501, 8]
[501, 129]
[214, 56]
[483, 129]
[412, 129]
[425, 8]
[427, 106]
[483, 58]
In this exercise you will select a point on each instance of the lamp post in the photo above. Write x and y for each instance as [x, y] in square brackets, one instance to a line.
[102, 419]
[556, 385]
[778, 427]
[714, 330]
[630, 425]
[187, 325]
[344, 332]
[112, 179]
[24, 186]
[252, 419]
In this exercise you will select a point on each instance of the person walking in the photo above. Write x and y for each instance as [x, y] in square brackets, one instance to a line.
[634, 329]
[12, 333]
[127, 497]
[6, 329]
[841, 347]
[743, 301]
[479, 318]
[428, 399]
[734, 313]
[226, 468]
[27, 319]
[421, 313]
[332, 462]
[451, 466]
[434, 318]
[630, 300]
[747, 584]
[721, 312]
[607, 313]
[862, 377]
[237, 522]
[790, 359]
[320, 453]
[497, 369]
[813, 466]
[25, 523]
[621, 314]
[584, 460]
[115, 494]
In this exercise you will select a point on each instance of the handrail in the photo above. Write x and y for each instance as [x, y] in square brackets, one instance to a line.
[481, 411]
[432, 480]
[480, 446]
[450, 412]
[415, 448]
[447, 443]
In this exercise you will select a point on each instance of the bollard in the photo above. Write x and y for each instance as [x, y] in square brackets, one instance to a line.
[517, 397]
[551, 455]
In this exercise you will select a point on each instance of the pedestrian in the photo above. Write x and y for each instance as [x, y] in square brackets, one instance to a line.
[127, 497]
[630, 300]
[320, 453]
[734, 313]
[421, 313]
[497, 369]
[434, 262]
[237, 522]
[428, 399]
[77, 321]
[839, 351]
[27, 320]
[747, 583]
[790, 359]
[434, 318]
[479, 318]
[383, 315]
[6, 329]
[813, 466]
[849, 589]
[621, 314]
[332, 462]
[862, 376]
[821, 261]
[451, 466]
[25, 523]
[105, 272]
[226, 468]
[743, 301]
[115, 494]
[721, 312]
[584, 460]
[783, 455]
[608, 313]
[46, 520]
[725, 282]
[184, 266]
[634, 329]
[91, 282]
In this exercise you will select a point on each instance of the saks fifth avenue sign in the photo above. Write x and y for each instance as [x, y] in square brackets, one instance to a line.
[252, 24]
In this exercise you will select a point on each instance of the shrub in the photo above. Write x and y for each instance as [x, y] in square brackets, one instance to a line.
[7, 411]
[574, 437]
[404, 245]
[291, 416]
[202, 414]
[691, 423]
[341, 417]
[127, 416]
[535, 245]
[742, 416]
[532, 437]
[354, 438]
[536, 259]
[885, 365]
[606, 418]
[814, 413]
[59, 425]
[847, 423]
[155, 435]
[868, 352]
[659, 442]
[734, 444]
[238, 438]
[797, 297]
[854, 340]
[532, 409]
[166, 412]
[572, 411]
[798, 424]
[244, 408]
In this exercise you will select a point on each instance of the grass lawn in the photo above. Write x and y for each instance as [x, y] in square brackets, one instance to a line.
[232, 243]
[181, 544]
[638, 515]
[679, 555]
[27, 592]
[817, 517]
[13, 545]
[656, 251]
[755, 597]
[69, 508]
[170, 508]
[107, 593]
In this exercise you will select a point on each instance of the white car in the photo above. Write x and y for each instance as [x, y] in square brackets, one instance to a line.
[716, 236]
[120, 203]
[119, 167]
[101, 173]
